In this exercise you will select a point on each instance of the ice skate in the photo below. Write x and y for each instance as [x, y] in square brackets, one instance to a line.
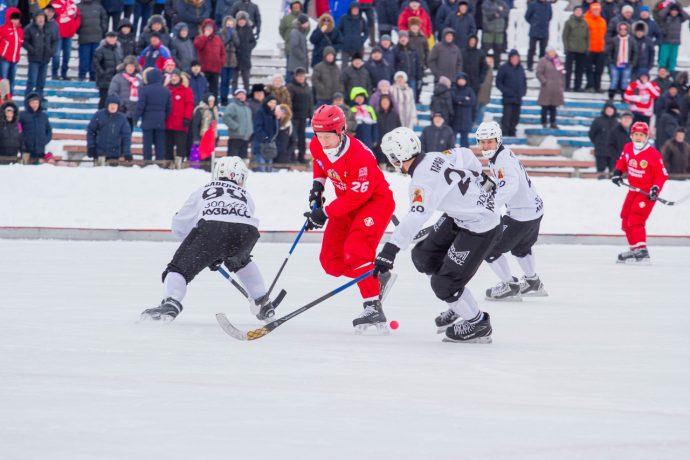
[263, 308]
[532, 287]
[637, 256]
[166, 311]
[386, 282]
[505, 291]
[371, 316]
[445, 320]
[470, 331]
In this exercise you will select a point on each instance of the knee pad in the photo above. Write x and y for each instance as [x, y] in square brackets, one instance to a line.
[443, 289]
[330, 266]
[234, 264]
[636, 220]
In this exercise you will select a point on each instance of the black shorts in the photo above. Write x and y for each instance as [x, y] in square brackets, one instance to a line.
[518, 238]
[451, 255]
[212, 241]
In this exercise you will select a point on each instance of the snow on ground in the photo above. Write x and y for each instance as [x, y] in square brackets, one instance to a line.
[146, 198]
[597, 370]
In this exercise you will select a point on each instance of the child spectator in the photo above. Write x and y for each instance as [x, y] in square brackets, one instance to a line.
[414, 9]
[230, 41]
[153, 107]
[126, 37]
[302, 109]
[676, 153]
[182, 48]
[365, 116]
[323, 36]
[109, 135]
[387, 120]
[550, 73]
[105, 61]
[464, 100]
[180, 119]
[69, 21]
[198, 83]
[155, 54]
[11, 40]
[238, 119]
[326, 78]
[10, 131]
[211, 52]
[438, 136]
[35, 126]
[93, 26]
[126, 85]
[404, 100]
[442, 100]
[641, 95]
[244, 49]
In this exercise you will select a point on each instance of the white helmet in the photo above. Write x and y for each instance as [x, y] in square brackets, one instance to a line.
[489, 130]
[231, 168]
[400, 145]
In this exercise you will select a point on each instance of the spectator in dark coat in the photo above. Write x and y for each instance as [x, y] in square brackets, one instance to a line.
[198, 83]
[576, 44]
[356, 75]
[265, 128]
[35, 125]
[222, 10]
[672, 94]
[644, 48]
[10, 134]
[445, 58]
[438, 136]
[624, 17]
[668, 123]
[153, 108]
[126, 37]
[354, 30]
[387, 12]
[620, 67]
[179, 121]
[109, 135]
[599, 132]
[105, 61]
[420, 44]
[617, 140]
[256, 98]
[443, 12]
[664, 79]
[512, 83]
[156, 24]
[324, 35]
[252, 12]
[114, 10]
[464, 101]
[298, 56]
[244, 49]
[231, 41]
[653, 30]
[94, 24]
[378, 68]
[671, 19]
[191, 12]
[387, 48]
[474, 64]
[182, 47]
[326, 78]
[442, 100]
[494, 22]
[538, 15]
[126, 85]
[302, 109]
[285, 144]
[406, 60]
[462, 22]
[387, 120]
[211, 51]
[40, 42]
[238, 118]
[676, 154]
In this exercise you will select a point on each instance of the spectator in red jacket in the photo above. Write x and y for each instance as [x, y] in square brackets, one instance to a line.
[211, 51]
[180, 119]
[68, 19]
[414, 9]
[11, 41]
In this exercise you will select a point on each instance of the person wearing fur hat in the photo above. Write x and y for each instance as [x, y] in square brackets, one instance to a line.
[191, 12]
[244, 49]
[211, 50]
[324, 35]
[354, 30]
[414, 9]
[126, 85]
[644, 47]
[445, 58]
[109, 135]
[126, 37]
[253, 14]
[180, 119]
[156, 24]
[621, 56]
[256, 96]
[279, 90]
[105, 62]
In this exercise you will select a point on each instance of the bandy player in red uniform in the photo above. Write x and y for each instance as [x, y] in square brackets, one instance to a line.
[646, 171]
[357, 218]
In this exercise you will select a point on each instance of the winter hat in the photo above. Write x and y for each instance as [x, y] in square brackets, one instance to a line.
[437, 114]
[155, 34]
[550, 48]
[448, 30]
[242, 90]
[112, 99]
[328, 50]
[356, 56]
[194, 63]
[642, 71]
[400, 73]
[403, 33]
[627, 9]
[168, 62]
[15, 15]
[33, 97]
[644, 8]
[512, 53]
[242, 15]
[177, 72]
[626, 114]
[445, 81]
[414, 21]
[460, 75]
[257, 88]
[300, 71]
[111, 33]
[385, 37]
[490, 53]
[338, 95]
[303, 18]
[376, 49]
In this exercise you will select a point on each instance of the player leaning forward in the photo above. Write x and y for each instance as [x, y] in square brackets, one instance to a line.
[645, 167]
[452, 182]
[357, 218]
[523, 212]
[218, 226]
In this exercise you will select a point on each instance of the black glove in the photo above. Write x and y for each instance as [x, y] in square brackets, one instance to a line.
[653, 193]
[316, 195]
[315, 219]
[215, 265]
[384, 261]
[617, 177]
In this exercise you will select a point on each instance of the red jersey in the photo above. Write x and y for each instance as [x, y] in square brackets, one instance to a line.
[641, 97]
[645, 169]
[355, 175]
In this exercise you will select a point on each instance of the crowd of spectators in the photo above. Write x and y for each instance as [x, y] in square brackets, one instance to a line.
[177, 68]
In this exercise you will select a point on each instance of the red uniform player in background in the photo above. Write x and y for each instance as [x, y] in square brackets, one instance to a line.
[645, 167]
[358, 217]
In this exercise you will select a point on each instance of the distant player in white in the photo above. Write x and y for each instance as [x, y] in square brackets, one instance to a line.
[450, 181]
[524, 210]
[218, 226]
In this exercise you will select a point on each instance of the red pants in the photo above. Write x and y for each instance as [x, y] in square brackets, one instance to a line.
[636, 209]
[350, 243]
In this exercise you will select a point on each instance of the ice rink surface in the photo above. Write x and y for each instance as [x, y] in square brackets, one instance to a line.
[598, 370]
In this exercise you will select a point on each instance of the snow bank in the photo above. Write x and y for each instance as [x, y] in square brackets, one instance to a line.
[146, 198]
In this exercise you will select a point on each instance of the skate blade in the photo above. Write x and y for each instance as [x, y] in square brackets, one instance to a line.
[376, 329]
[389, 286]
[539, 293]
[515, 298]
[152, 319]
[485, 339]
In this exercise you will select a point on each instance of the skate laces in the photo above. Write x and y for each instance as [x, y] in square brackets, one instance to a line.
[463, 327]
[368, 311]
[448, 315]
[501, 288]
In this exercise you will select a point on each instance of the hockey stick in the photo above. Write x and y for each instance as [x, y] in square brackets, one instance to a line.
[659, 199]
[254, 334]
[279, 298]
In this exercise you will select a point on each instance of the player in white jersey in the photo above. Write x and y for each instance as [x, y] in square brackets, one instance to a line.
[460, 240]
[524, 210]
[218, 226]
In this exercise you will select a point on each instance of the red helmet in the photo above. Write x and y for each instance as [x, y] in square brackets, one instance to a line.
[640, 127]
[327, 119]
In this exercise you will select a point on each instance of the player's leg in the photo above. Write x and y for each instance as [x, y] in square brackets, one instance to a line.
[637, 219]
[332, 257]
[509, 286]
[625, 256]
[530, 284]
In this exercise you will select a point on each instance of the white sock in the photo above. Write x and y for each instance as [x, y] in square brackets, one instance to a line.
[502, 269]
[466, 306]
[528, 265]
[175, 286]
[252, 280]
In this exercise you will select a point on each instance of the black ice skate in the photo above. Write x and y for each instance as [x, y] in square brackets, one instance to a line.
[470, 331]
[532, 287]
[635, 256]
[509, 291]
[445, 320]
[166, 311]
[386, 282]
[263, 308]
[371, 316]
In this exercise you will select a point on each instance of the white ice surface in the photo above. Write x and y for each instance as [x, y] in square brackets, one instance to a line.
[598, 370]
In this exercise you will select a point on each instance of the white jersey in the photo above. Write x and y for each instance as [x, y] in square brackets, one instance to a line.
[514, 187]
[219, 200]
[438, 185]
[463, 158]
